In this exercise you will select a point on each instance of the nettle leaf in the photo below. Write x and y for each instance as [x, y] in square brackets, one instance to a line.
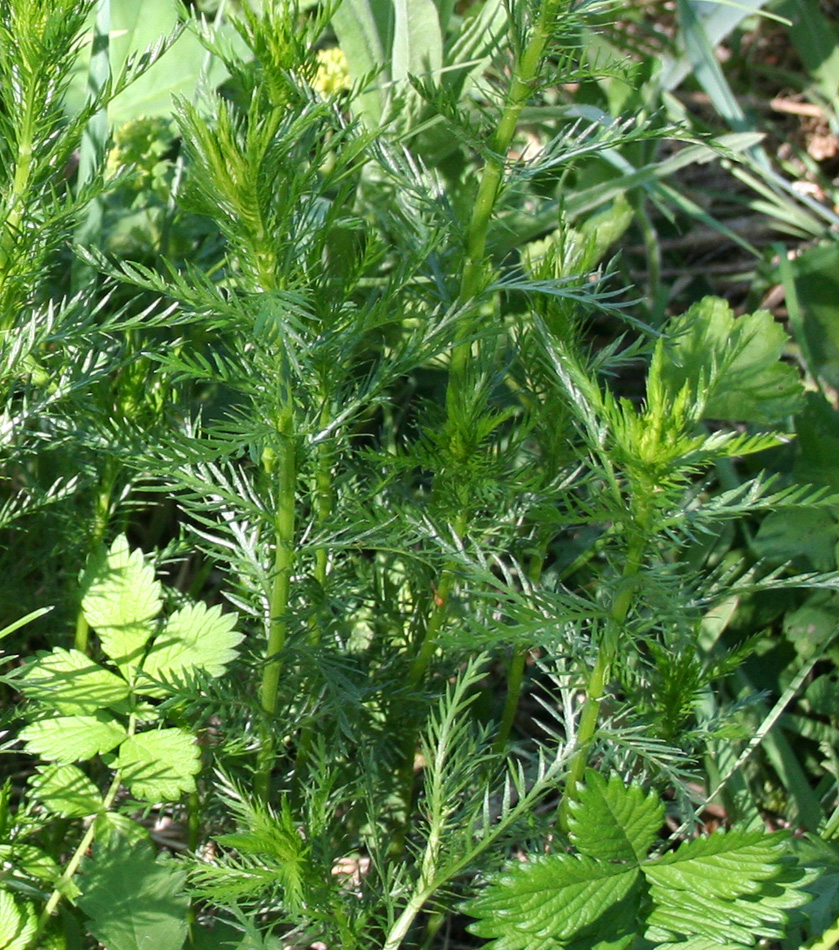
[65, 790]
[72, 683]
[159, 765]
[120, 600]
[735, 361]
[18, 922]
[546, 902]
[68, 739]
[732, 888]
[133, 901]
[613, 822]
[194, 638]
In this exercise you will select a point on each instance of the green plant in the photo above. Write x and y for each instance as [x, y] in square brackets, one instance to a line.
[372, 412]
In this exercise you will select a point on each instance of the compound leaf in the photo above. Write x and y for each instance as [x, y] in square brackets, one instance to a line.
[120, 600]
[68, 739]
[548, 902]
[614, 822]
[735, 361]
[732, 888]
[134, 902]
[72, 683]
[18, 922]
[195, 638]
[160, 764]
[65, 790]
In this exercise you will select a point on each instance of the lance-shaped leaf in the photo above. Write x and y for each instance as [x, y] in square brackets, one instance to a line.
[120, 600]
[72, 683]
[194, 638]
[613, 822]
[65, 790]
[134, 902]
[66, 739]
[159, 765]
[547, 902]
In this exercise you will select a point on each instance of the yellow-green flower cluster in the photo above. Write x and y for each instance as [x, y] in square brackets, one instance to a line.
[333, 74]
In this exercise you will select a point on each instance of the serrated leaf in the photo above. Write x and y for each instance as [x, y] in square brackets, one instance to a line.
[18, 922]
[72, 738]
[65, 790]
[719, 888]
[194, 638]
[552, 900]
[134, 902]
[120, 600]
[613, 821]
[734, 361]
[159, 765]
[28, 859]
[72, 682]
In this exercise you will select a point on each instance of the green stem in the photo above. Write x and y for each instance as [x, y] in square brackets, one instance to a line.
[16, 204]
[599, 678]
[283, 468]
[474, 271]
[102, 508]
[515, 672]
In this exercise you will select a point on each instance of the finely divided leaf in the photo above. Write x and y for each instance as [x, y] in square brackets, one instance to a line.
[548, 902]
[133, 901]
[195, 638]
[731, 888]
[65, 790]
[735, 361]
[18, 922]
[159, 765]
[614, 822]
[72, 738]
[72, 682]
[120, 600]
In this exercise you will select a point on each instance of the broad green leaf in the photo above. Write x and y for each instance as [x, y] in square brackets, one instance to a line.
[194, 638]
[816, 276]
[159, 765]
[112, 823]
[730, 887]
[133, 901]
[28, 859]
[734, 362]
[134, 28]
[417, 43]
[68, 739]
[554, 899]
[65, 790]
[805, 536]
[18, 922]
[365, 32]
[72, 683]
[120, 600]
[613, 821]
